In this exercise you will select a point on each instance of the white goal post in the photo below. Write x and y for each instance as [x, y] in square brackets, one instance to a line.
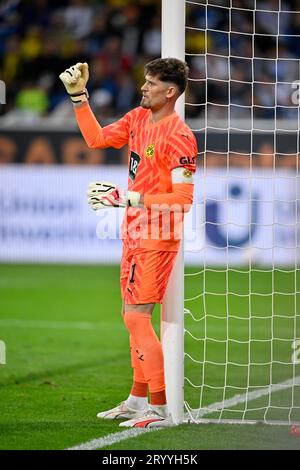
[230, 324]
[173, 45]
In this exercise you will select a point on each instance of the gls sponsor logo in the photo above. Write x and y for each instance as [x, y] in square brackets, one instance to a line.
[187, 160]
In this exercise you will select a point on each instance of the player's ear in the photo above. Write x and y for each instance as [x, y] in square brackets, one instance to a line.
[171, 92]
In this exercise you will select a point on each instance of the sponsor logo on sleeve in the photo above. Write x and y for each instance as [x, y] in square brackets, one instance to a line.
[187, 160]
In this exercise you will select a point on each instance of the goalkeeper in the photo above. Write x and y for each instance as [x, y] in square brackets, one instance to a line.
[161, 161]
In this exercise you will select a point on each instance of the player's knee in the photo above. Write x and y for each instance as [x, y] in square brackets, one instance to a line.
[130, 321]
[133, 316]
[139, 308]
[134, 323]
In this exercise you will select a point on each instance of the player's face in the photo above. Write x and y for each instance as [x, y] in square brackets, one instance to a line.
[155, 93]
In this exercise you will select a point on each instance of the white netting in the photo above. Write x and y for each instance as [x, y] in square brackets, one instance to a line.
[242, 322]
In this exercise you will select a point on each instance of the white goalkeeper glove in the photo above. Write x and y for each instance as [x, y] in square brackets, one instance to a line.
[104, 194]
[75, 79]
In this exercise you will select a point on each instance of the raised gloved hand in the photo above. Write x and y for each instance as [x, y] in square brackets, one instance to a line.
[75, 79]
[103, 194]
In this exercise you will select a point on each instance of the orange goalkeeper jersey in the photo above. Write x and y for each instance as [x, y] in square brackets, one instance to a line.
[154, 150]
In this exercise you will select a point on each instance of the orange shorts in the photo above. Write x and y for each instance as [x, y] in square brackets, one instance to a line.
[145, 275]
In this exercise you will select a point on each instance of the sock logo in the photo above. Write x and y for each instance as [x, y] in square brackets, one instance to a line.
[140, 357]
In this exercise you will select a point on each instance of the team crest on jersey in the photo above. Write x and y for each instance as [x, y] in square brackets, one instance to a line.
[149, 151]
[187, 173]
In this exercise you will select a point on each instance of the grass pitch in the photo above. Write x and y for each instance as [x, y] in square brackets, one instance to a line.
[67, 356]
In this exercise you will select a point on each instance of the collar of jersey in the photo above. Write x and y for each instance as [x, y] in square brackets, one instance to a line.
[153, 124]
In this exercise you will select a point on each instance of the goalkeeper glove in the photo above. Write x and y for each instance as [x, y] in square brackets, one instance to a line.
[102, 195]
[75, 79]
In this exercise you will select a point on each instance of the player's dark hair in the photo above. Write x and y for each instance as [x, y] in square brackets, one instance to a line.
[169, 70]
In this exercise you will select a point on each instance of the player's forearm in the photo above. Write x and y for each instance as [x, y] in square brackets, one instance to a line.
[89, 126]
[106, 194]
[179, 200]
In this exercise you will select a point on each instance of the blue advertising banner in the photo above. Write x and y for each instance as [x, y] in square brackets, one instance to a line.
[237, 217]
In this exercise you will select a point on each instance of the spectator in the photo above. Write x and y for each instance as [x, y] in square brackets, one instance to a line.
[78, 18]
[38, 36]
[266, 155]
[32, 100]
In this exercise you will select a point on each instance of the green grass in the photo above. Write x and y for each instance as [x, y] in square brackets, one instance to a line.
[245, 324]
[57, 379]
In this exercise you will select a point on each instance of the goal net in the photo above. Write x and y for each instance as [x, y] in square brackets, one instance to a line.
[242, 309]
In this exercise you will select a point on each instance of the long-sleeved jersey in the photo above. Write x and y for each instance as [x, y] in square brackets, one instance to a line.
[154, 151]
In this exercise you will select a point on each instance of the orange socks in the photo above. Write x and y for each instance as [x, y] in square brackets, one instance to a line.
[148, 363]
[140, 385]
[158, 398]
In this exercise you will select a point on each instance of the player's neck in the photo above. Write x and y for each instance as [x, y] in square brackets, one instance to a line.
[161, 113]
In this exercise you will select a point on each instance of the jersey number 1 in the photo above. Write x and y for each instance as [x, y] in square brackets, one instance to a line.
[132, 273]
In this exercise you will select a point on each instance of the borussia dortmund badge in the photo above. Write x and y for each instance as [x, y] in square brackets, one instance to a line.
[150, 151]
[187, 173]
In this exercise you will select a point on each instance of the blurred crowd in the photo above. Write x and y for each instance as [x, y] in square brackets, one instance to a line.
[251, 60]
[41, 38]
